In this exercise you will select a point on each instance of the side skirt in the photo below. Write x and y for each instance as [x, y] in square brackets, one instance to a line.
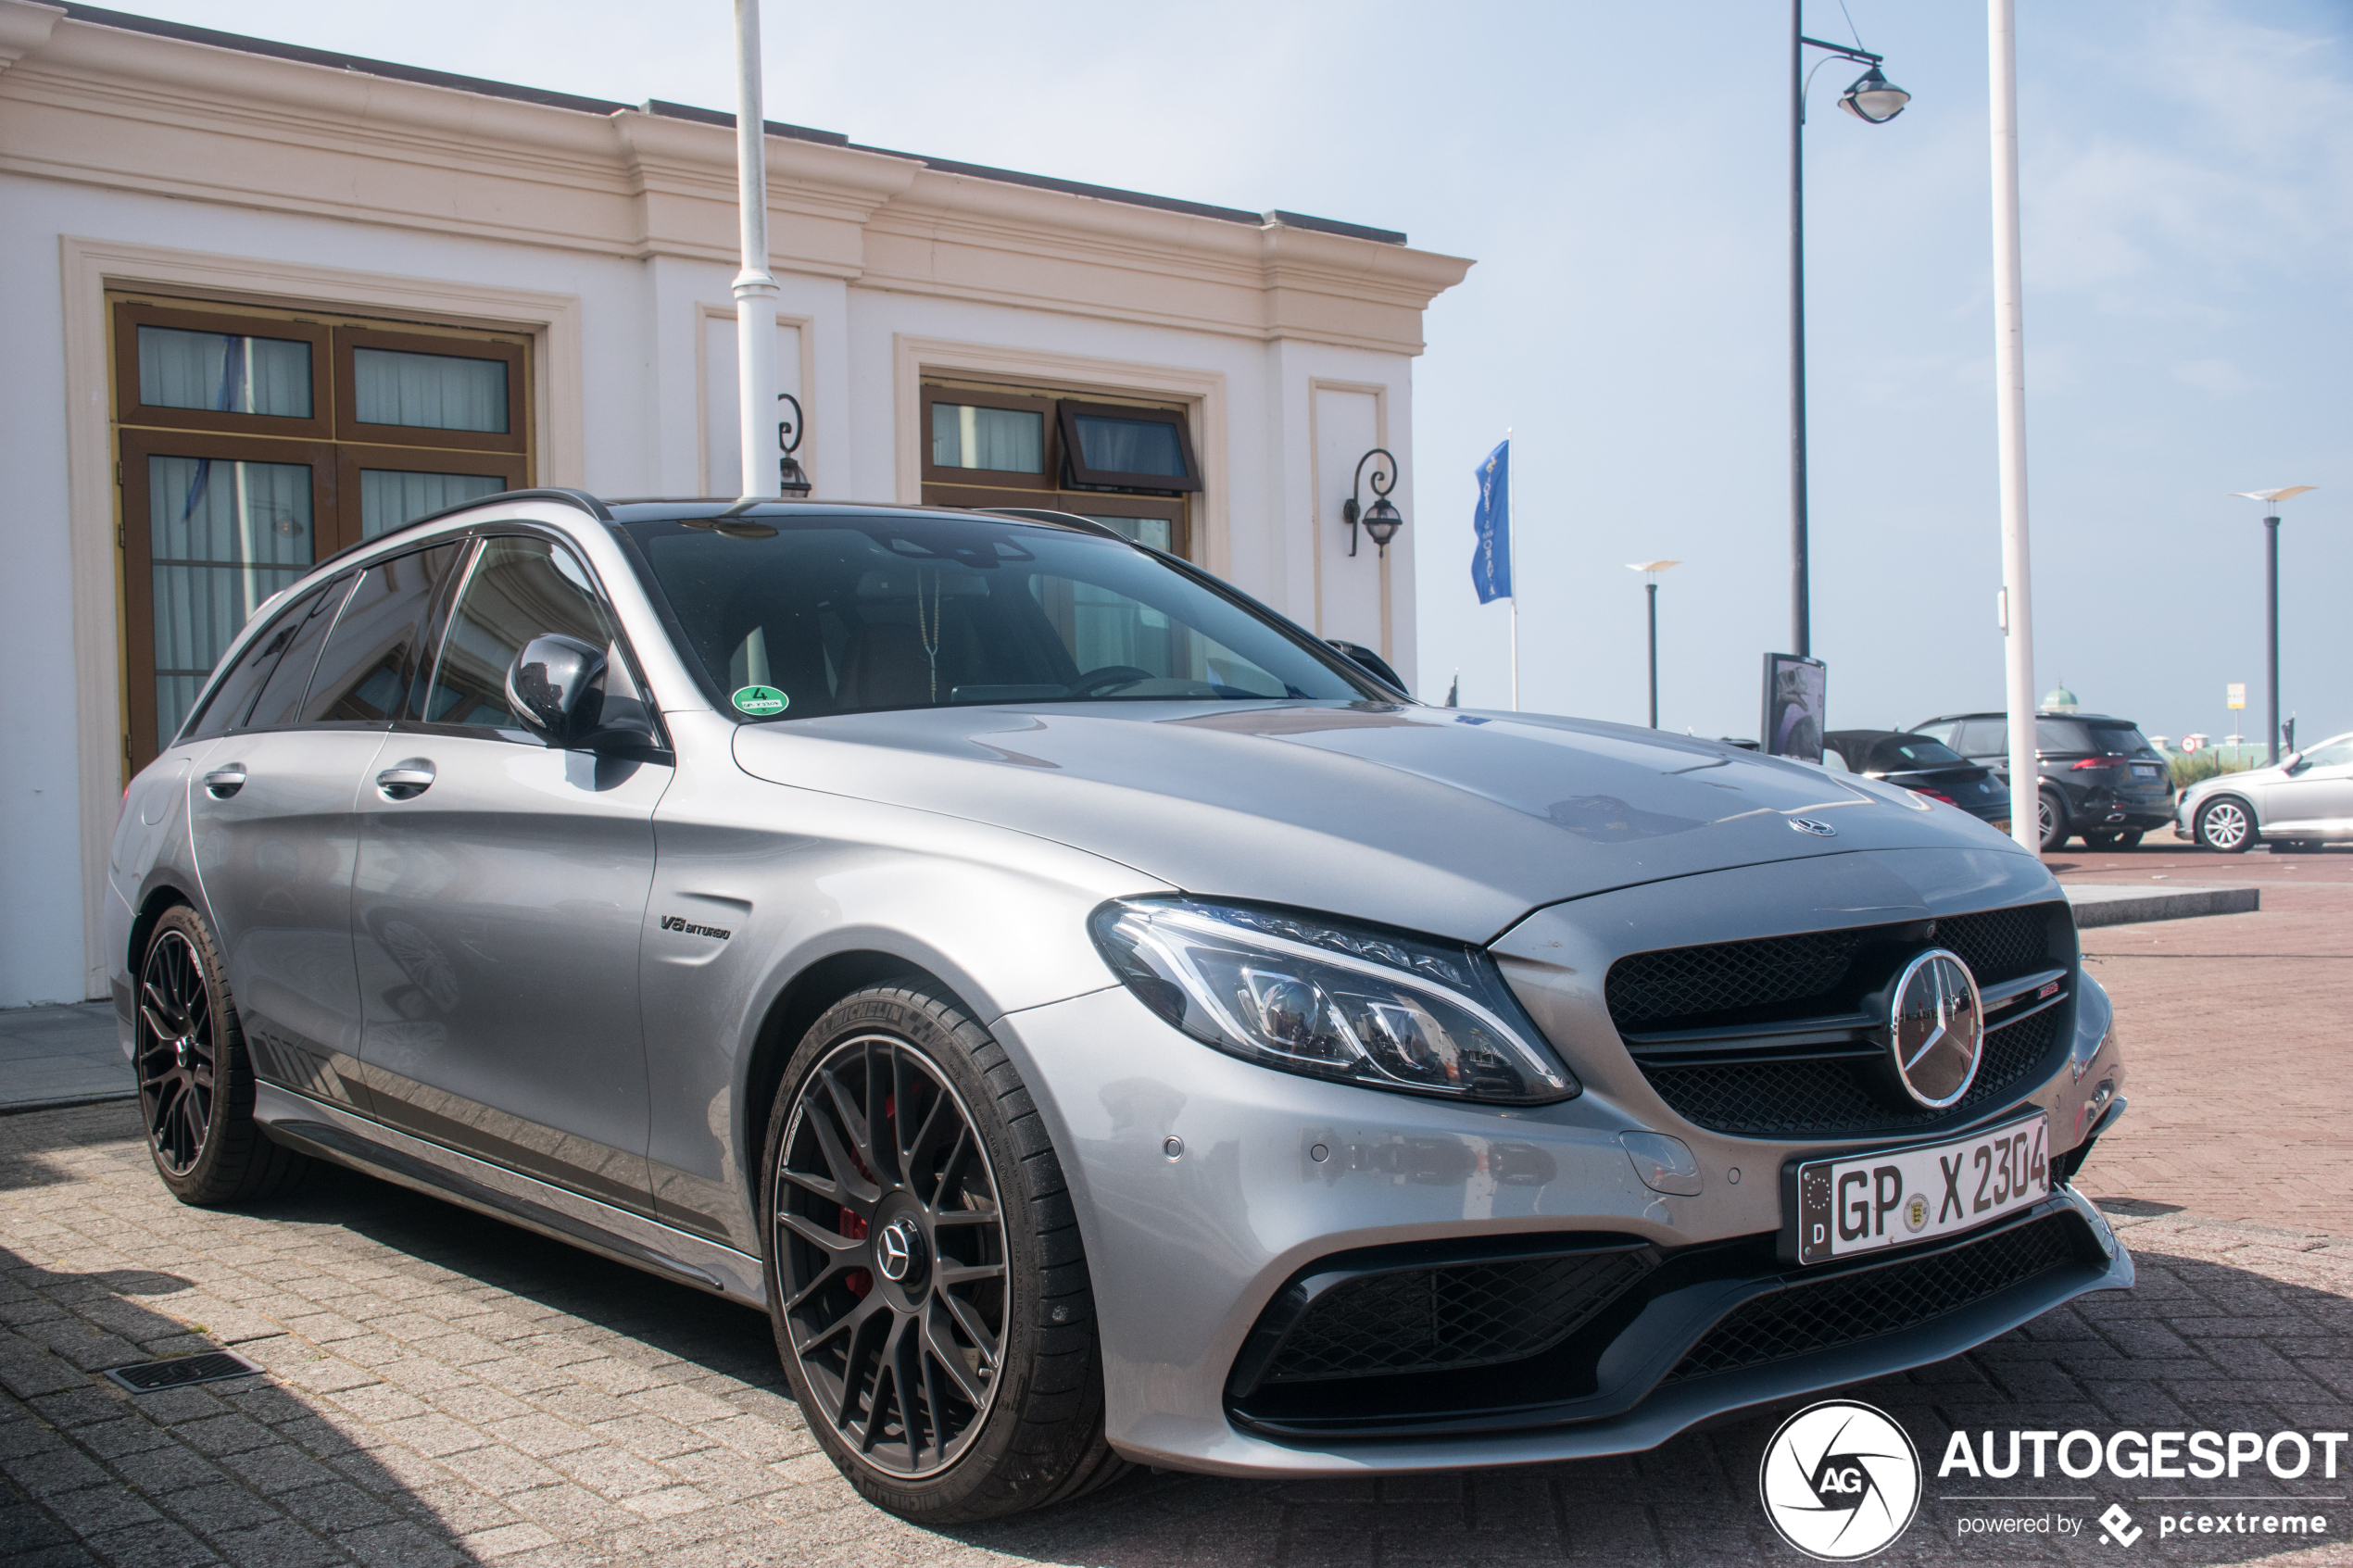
[333, 1133]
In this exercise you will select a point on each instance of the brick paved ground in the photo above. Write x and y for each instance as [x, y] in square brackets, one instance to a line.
[2236, 1029]
[441, 1389]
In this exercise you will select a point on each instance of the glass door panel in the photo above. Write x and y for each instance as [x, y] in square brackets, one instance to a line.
[389, 497]
[222, 536]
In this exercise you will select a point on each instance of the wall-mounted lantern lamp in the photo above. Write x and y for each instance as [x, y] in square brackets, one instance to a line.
[790, 477]
[1382, 520]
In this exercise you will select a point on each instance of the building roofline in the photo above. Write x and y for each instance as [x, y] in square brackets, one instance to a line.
[546, 99]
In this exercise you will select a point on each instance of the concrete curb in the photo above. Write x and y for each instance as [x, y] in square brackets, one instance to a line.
[2096, 905]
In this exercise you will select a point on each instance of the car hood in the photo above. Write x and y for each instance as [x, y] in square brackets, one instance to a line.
[1429, 818]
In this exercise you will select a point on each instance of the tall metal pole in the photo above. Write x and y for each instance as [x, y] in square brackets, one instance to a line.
[1801, 611]
[755, 289]
[2009, 404]
[1653, 589]
[2271, 626]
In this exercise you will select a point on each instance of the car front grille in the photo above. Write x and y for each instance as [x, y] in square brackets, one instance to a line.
[1835, 1096]
[1452, 1316]
[1803, 1059]
[1727, 979]
[1847, 1308]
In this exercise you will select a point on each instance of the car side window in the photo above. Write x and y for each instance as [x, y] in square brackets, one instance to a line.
[372, 656]
[2335, 754]
[1985, 737]
[520, 588]
[1945, 733]
[234, 694]
[279, 703]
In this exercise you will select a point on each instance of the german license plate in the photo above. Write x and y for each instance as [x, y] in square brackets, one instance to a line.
[2144, 770]
[1863, 1202]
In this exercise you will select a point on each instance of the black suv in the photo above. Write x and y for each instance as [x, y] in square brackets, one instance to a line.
[2101, 778]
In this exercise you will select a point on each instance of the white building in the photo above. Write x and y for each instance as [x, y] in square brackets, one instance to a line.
[259, 301]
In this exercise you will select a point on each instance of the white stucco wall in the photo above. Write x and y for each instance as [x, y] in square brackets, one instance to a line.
[631, 374]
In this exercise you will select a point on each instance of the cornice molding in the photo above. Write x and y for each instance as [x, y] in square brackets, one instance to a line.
[24, 27]
[92, 105]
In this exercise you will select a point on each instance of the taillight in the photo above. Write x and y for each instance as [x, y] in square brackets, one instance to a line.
[2095, 762]
[1940, 795]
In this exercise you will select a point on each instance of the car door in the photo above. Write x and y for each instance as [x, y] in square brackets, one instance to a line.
[500, 893]
[2318, 795]
[272, 825]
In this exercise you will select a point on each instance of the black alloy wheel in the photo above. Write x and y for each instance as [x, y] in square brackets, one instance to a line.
[2050, 821]
[179, 1061]
[892, 1250]
[196, 1082]
[925, 1280]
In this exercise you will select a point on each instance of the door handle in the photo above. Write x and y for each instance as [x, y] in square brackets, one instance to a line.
[223, 783]
[406, 780]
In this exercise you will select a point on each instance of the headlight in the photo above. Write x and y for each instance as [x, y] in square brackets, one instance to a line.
[1331, 1002]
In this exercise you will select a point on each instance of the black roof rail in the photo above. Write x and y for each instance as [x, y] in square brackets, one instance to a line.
[564, 495]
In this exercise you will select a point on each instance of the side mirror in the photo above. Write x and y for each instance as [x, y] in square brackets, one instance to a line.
[2293, 762]
[554, 689]
[564, 692]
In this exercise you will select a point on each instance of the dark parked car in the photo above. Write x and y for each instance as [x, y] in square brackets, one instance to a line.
[1927, 766]
[2101, 778]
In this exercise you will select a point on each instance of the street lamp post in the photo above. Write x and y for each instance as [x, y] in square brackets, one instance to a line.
[2272, 499]
[1874, 100]
[1650, 571]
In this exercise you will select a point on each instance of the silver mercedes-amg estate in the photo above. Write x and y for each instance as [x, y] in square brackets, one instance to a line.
[1097, 1021]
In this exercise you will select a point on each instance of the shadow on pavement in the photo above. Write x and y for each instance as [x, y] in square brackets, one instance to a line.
[90, 1472]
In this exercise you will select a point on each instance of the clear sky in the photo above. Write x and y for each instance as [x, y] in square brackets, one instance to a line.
[1619, 172]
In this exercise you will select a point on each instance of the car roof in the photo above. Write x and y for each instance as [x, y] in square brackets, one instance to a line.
[688, 508]
[2039, 713]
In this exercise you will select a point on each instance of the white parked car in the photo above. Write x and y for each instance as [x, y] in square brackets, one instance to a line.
[2305, 800]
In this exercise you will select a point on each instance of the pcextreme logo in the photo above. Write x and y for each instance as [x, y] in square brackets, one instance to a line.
[1840, 1481]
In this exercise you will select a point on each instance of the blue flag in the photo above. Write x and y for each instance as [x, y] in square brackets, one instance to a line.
[1492, 562]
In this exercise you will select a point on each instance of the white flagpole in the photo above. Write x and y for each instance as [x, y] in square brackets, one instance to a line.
[755, 290]
[1511, 558]
[2009, 405]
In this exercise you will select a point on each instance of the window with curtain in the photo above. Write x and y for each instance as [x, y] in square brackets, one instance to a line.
[253, 441]
[222, 537]
[428, 390]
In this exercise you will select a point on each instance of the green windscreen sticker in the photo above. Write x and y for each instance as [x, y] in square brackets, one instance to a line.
[761, 701]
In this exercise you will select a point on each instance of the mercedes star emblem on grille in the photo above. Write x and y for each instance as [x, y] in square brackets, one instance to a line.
[1936, 1028]
[1807, 824]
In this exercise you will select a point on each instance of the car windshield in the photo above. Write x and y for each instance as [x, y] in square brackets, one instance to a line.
[793, 617]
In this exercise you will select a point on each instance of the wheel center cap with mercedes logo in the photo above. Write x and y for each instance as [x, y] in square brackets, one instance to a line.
[1936, 1028]
[898, 1250]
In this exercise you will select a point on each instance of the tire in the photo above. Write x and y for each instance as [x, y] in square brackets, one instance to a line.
[2051, 814]
[2226, 827]
[965, 1199]
[196, 1079]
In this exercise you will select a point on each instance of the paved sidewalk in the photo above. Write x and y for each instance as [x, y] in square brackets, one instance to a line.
[66, 1054]
[442, 1388]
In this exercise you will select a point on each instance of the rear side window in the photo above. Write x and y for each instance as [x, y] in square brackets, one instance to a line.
[519, 589]
[2062, 734]
[1913, 751]
[372, 657]
[1986, 737]
[234, 697]
[280, 703]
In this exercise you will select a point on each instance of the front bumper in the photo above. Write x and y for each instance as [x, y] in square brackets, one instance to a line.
[1203, 1185]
